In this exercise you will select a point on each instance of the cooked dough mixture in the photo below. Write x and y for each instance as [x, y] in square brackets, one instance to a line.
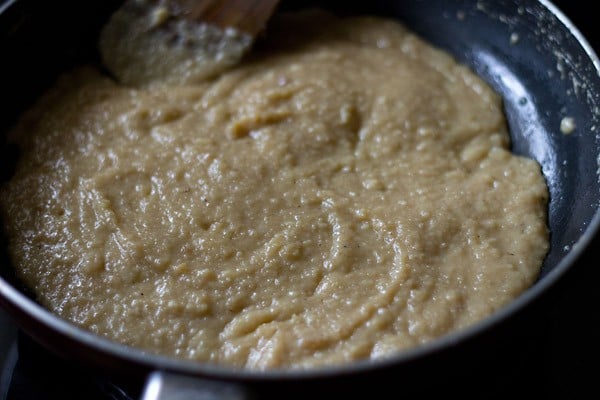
[345, 193]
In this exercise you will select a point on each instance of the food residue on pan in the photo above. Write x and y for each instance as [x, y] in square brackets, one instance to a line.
[567, 125]
[328, 200]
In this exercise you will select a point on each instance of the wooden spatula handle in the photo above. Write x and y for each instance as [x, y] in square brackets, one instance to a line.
[249, 16]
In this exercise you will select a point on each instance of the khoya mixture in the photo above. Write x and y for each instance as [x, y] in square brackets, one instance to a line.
[345, 193]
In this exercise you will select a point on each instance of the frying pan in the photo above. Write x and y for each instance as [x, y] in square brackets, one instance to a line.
[527, 50]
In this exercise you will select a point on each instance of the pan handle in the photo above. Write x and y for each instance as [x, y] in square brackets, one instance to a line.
[162, 385]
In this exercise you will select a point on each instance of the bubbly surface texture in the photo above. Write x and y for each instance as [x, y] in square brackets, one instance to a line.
[345, 193]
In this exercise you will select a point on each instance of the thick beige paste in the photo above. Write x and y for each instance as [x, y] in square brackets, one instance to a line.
[345, 194]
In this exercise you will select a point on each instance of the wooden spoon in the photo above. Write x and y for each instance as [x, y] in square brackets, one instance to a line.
[180, 41]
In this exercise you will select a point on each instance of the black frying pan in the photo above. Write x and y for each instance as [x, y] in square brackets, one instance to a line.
[527, 50]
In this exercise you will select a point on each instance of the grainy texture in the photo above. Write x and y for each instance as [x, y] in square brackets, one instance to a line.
[346, 193]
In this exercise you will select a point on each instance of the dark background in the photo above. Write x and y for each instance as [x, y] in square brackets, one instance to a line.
[550, 350]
